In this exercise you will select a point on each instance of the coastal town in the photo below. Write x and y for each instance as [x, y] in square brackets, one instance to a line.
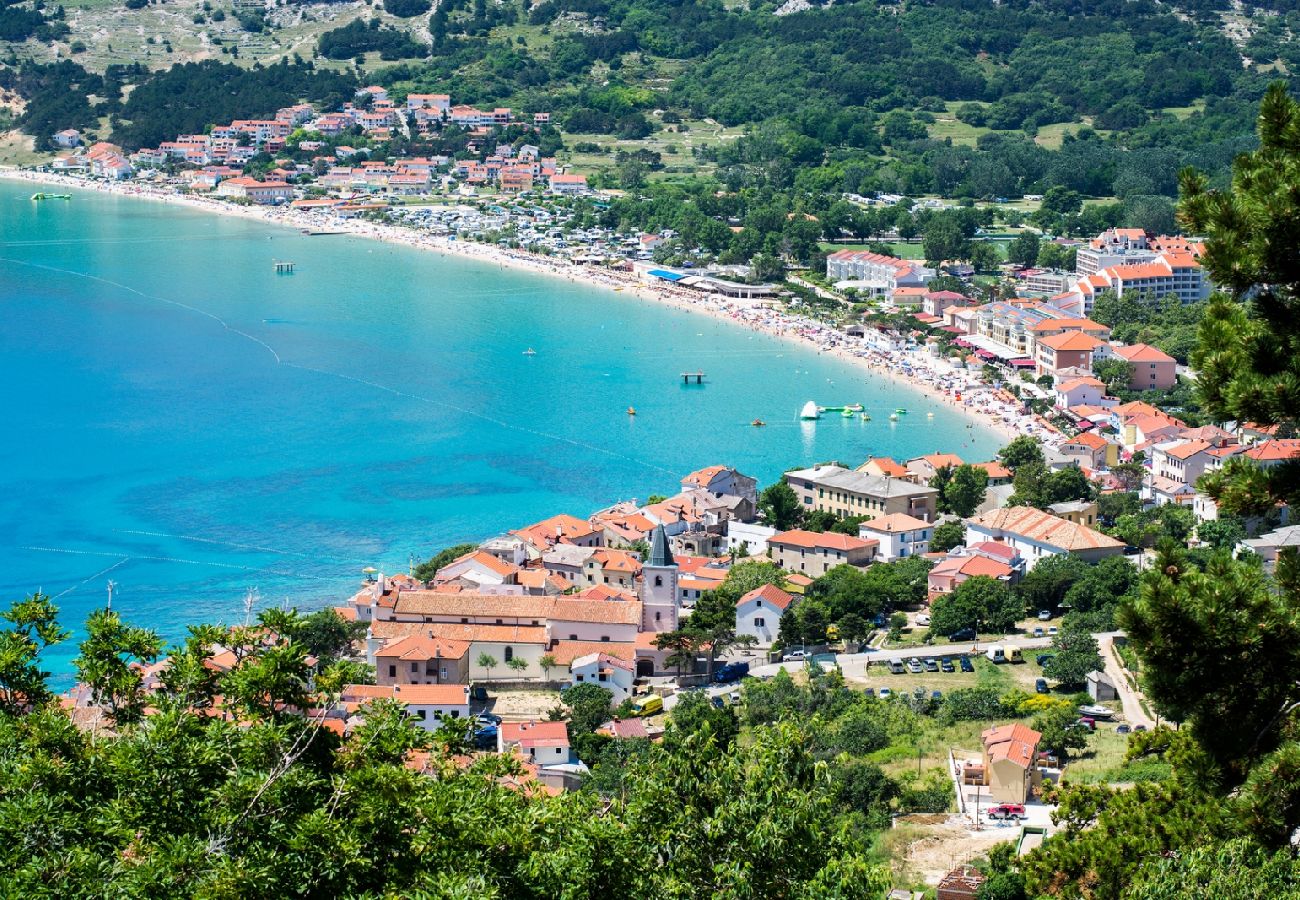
[712, 594]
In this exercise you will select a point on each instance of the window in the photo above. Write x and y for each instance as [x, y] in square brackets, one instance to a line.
[573, 637]
[579, 677]
[602, 677]
[657, 615]
[604, 638]
[464, 620]
[499, 622]
[760, 622]
[415, 667]
[659, 581]
[510, 653]
[443, 673]
[392, 671]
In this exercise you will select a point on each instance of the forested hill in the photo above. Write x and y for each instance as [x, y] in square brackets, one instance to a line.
[938, 96]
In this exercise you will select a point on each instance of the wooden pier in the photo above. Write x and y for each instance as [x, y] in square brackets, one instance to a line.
[687, 376]
[283, 267]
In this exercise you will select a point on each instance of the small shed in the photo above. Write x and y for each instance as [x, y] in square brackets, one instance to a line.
[1100, 687]
[962, 883]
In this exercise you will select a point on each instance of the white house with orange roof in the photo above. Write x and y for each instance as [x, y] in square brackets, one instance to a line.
[427, 704]
[480, 569]
[568, 184]
[898, 534]
[758, 613]
[1036, 535]
[1083, 391]
[1270, 453]
[816, 553]
[875, 273]
[1153, 369]
[544, 743]
[613, 673]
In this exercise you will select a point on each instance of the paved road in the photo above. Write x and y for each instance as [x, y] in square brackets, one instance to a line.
[1129, 699]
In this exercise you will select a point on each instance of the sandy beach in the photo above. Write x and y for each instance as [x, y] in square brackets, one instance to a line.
[957, 388]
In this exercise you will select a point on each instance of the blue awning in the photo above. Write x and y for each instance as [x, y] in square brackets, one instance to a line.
[666, 275]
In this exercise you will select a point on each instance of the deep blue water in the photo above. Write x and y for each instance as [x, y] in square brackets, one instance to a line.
[185, 422]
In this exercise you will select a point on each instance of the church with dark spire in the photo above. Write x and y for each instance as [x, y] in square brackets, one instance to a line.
[659, 594]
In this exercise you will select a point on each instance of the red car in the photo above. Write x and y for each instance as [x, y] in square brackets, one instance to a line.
[1007, 811]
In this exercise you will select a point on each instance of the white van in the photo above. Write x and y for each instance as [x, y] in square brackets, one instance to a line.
[996, 654]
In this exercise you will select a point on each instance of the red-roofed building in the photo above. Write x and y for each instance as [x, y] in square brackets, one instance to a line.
[544, 743]
[758, 613]
[1153, 370]
[1009, 753]
[422, 659]
[950, 572]
[1066, 350]
[898, 534]
[815, 554]
[875, 273]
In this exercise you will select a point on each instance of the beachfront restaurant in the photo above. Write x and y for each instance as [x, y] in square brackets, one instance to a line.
[704, 282]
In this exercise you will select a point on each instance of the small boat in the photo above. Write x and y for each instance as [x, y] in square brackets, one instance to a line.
[929, 415]
[809, 411]
[1097, 712]
[530, 352]
[758, 423]
[631, 411]
[866, 418]
[900, 411]
[893, 417]
[44, 196]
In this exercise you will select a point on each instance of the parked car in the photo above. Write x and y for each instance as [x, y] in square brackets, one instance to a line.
[1044, 615]
[1085, 722]
[719, 702]
[966, 664]
[896, 666]
[1122, 729]
[795, 656]
[931, 665]
[870, 692]
[914, 666]
[487, 718]
[886, 693]
[936, 696]
[1040, 685]
[1053, 631]
[946, 664]
[922, 619]
[734, 696]
[1015, 811]
[732, 671]
[1038, 632]
[965, 634]
[996, 654]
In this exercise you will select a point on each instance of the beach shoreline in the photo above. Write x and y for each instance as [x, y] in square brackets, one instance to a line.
[930, 378]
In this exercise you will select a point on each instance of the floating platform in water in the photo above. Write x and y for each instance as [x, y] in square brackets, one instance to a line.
[283, 267]
[43, 196]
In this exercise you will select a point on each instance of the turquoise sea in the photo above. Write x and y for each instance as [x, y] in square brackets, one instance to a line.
[184, 422]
